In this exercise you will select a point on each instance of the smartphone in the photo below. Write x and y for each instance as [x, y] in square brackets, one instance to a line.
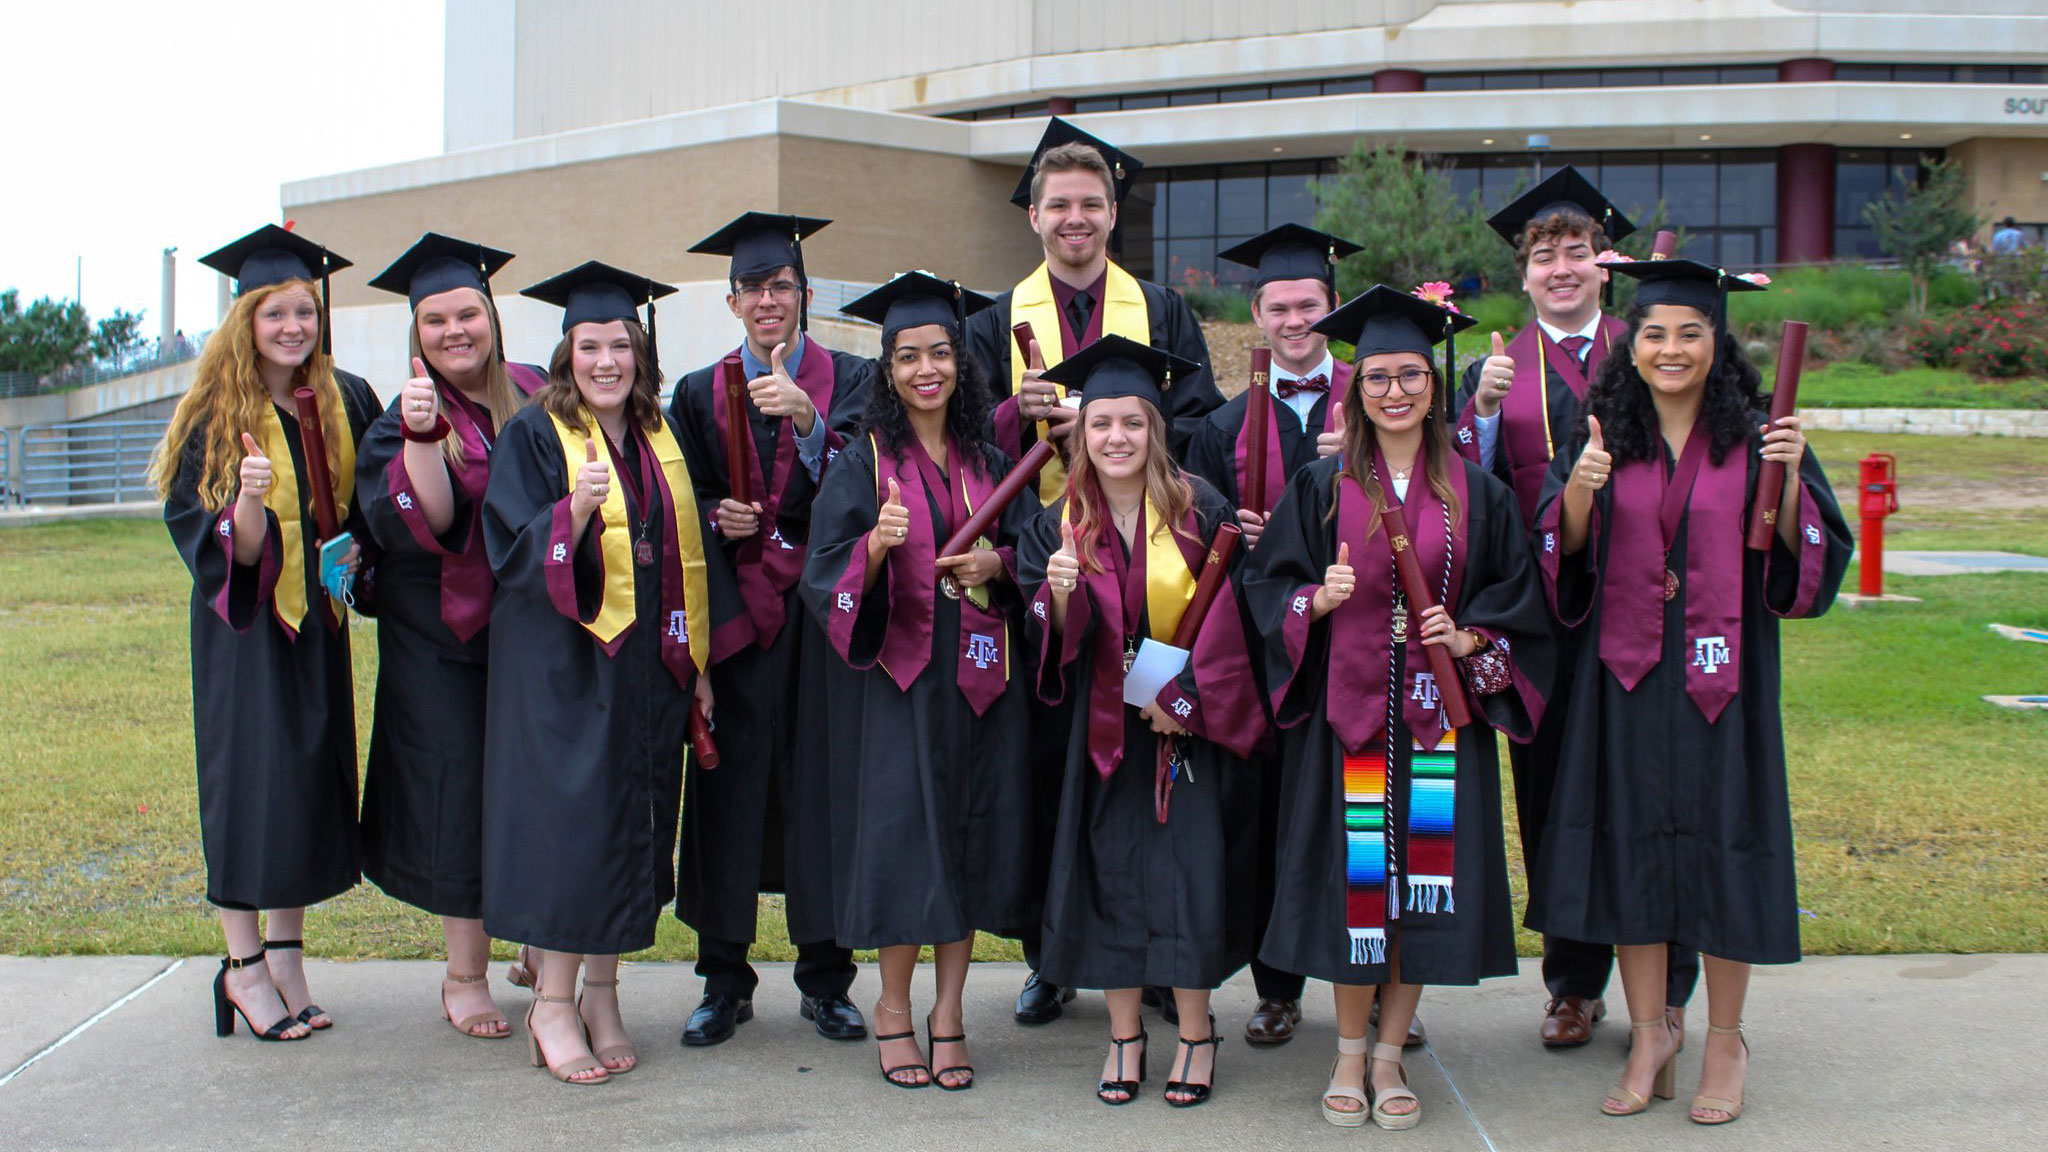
[334, 576]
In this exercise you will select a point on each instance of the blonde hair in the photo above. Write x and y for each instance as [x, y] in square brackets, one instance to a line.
[501, 397]
[1165, 488]
[227, 398]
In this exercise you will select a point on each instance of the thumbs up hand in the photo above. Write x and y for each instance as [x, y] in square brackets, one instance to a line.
[892, 521]
[1339, 581]
[1594, 464]
[1063, 569]
[593, 483]
[778, 397]
[417, 400]
[1496, 375]
[255, 471]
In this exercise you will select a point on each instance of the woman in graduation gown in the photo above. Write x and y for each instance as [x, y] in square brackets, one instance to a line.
[930, 781]
[421, 474]
[1151, 874]
[272, 702]
[1670, 820]
[608, 609]
[1392, 871]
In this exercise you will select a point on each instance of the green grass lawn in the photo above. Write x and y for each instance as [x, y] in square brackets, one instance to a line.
[1851, 385]
[1922, 812]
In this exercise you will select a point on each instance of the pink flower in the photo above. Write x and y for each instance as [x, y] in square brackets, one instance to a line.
[1610, 256]
[1436, 292]
[1756, 278]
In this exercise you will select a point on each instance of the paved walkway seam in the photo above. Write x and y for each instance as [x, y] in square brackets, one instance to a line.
[95, 1018]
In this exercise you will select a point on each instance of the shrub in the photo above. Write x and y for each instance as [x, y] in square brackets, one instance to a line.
[1212, 301]
[2001, 340]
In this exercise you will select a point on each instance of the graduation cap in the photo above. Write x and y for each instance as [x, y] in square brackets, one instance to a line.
[1384, 320]
[273, 255]
[437, 264]
[1698, 286]
[1291, 252]
[1120, 366]
[1566, 190]
[597, 293]
[916, 298]
[1123, 167]
[761, 242]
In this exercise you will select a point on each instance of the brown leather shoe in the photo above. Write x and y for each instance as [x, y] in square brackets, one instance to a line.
[1273, 1022]
[1417, 1035]
[1568, 1021]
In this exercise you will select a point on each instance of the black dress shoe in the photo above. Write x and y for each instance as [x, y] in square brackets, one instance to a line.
[716, 1019]
[835, 1016]
[1039, 1002]
[1156, 996]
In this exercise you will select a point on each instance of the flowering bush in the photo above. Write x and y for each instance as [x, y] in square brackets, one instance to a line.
[2001, 340]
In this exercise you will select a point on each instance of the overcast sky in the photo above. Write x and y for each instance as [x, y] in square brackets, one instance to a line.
[135, 125]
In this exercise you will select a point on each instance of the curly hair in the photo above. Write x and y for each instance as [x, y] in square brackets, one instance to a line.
[564, 400]
[1556, 226]
[1621, 398]
[967, 412]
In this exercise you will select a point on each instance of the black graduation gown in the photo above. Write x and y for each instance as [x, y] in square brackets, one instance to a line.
[585, 751]
[761, 821]
[1212, 451]
[1133, 902]
[273, 718]
[1174, 328]
[932, 838]
[1499, 591]
[1664, 827]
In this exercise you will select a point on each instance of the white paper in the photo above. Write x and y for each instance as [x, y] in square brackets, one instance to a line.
[1071, 400]
[1157, 663]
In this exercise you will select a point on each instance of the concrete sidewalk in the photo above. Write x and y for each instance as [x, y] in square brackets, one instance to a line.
[1927, 1052]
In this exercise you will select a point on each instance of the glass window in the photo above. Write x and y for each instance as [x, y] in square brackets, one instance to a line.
[1502, 178]
[1691, 198]
[1228, 272]
[1242, 94]
[1749, 74]
[1511, 80]
[1739, 250]
[1098, 104]
[1692, 76]
[1191, 210]
[1287, 197]
[1630, 77]
[1629, 179]
[1922, 74]
[1354, 84]
[1572, 78]
[1197, 96]
[1451, 82]
[1185, 256]
[1296, 91]
[1863, 72]
[2028, 74]
[1241, 200]
[1982, 74]
[1749, 189]
[1030, 111]
[1146, 100]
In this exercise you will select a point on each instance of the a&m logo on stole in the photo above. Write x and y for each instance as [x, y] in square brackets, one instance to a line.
[678, 625]
[560, 554]
[1550, 541]
[1301, 605]
[1709, 653]
[226, 527]
[1425, 690]
[1813, 535]
[846, 601]
[775, 534]
[405, 501]
[982, 649]
[1464, 435]
[1183, 709]
[1038, 609]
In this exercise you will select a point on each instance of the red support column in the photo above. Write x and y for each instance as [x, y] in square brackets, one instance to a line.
[1806, 203]
[1397, 80]
[1806, 70]
[1060, 105]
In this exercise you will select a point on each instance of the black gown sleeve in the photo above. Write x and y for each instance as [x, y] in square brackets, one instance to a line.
[1502, 599]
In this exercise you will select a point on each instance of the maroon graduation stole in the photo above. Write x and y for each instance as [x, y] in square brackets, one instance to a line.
[1636, 580]
[1154, 585]
[983, 667]
[1526, 437]
[1364, 628]
[769, 565]
[1276, 466]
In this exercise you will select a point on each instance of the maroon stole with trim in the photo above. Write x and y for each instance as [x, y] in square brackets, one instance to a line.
[1525, 432]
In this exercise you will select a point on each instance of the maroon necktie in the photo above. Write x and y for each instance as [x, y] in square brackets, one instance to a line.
[1288, 389]
[1576, 345]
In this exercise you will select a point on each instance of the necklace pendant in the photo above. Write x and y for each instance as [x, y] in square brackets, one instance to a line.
[643, 552]
[949, 586]
[1401, 623]
[1670, 584]
[1130, 654]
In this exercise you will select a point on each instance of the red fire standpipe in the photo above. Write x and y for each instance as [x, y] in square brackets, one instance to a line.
[1877, 496]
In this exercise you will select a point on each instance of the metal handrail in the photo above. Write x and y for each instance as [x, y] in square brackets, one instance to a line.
[7, 493]
[88, 462]
[17, 384]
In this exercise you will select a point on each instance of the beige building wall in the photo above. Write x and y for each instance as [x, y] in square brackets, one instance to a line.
[2007, 177]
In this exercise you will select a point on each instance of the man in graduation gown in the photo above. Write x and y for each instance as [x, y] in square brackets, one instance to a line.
[762, 820]
[1072, 191]
[1294, 287]
[1514, 407]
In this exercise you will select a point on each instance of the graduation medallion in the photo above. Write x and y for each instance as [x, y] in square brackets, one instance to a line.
[643, 552]
[1130, 654]
[1670, 584]
[949, 586]
[1401, 622]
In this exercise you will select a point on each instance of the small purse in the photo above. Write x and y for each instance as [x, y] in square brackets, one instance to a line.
[1488, 671]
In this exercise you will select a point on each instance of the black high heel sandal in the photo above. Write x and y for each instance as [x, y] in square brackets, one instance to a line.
[938, 1073]
[225, 1007]
[1195, 1093]
[889, 1074]
[307, 1014]
[1128, 1087]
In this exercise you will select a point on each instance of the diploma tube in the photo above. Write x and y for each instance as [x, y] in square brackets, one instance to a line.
[1258, 416]
[701, 748]
[738, 436]
[991, 509]
[1770, 477]
[1022, 333]
[1450, 689]
[313, 435]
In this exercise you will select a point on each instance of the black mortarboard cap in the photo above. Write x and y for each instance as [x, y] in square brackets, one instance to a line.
[1123, 167]
[761, 242]
[1120, 366]
[1291, 252]
[436, 264]
[1384, 320]
[273, 255]
[1698, 286]
[916, 298]
[597, 293]
[1565, 189]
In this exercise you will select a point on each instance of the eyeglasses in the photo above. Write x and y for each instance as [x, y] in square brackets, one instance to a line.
[774, 289]
[1378, 384]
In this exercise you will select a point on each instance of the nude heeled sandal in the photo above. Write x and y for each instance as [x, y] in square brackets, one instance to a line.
[565, 1071]
[1392, 1121]
[1714, 1103]
[1347, 1046]
[1664, 1087]
[624, 1051]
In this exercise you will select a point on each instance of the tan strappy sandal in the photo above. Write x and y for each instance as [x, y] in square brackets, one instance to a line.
[525, 971]
[1733, 1108]
[1347, 1046]
[1391, 1121]
[468, 1024]
[1664, 1087]
[566, 1071]
[610, 1052]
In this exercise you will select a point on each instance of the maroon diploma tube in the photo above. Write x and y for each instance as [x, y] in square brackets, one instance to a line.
[1770, 477]
[1258, 416]
[1450, 689]
[991, 509]
[739, 438]
[1021, 331]
[313, 435]
[701, 747]
[1207, 584]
